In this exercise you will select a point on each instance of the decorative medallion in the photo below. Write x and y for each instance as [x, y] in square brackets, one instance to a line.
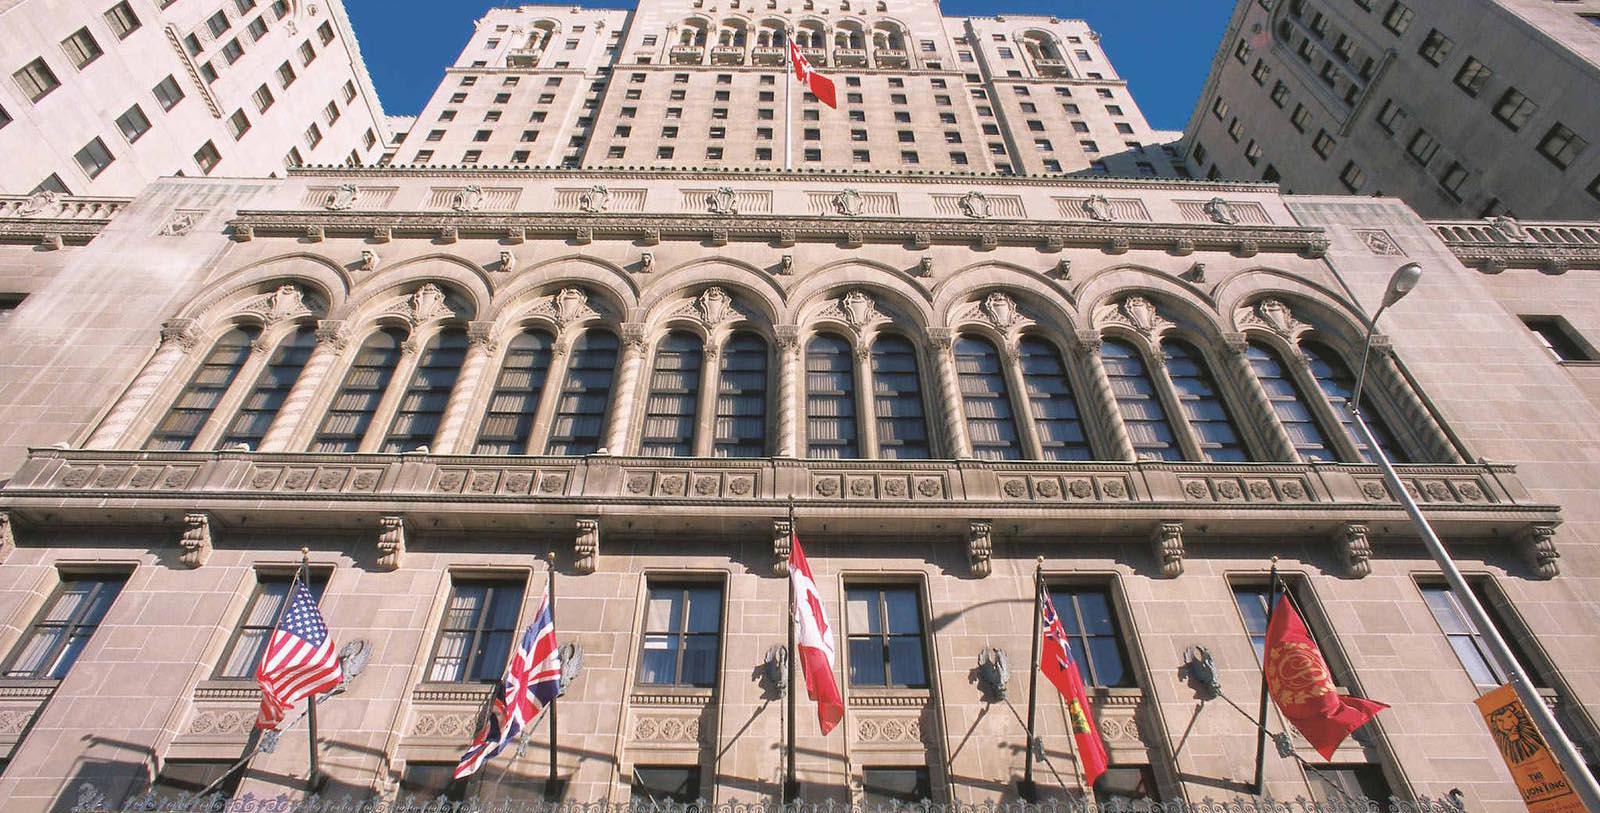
[724, 201]
[467, 199]
[426, 304]
[847, 203]
[1138, 313]
[595, 199]
[1098, 208]
[1221, 211]
[715, 306]
[1271, 314]
[567, 306]
[341, 198]
[180, 224]
[288, 301]
[975, 205]
[37, 202]
[1000, 309]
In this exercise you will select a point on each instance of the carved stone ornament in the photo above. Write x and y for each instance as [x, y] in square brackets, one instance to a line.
[1001, 310]
[467, 199]
[724, 201]
[980, 547]
[1197, 273]
[787, 338]
[586, 548]
[595, 200]
[368, 261]
[786, 265]
[425, 304]
[975, 205]
[848, 203]
[1538, 544]
[196, 539]
[481, 334]
[1168, 543]
[1221, 211]
[1098, 208]
[1064, 268]
[331, 333]
[178, 225]
[8, 538]
[1508, 227]
[341, 198]
[715, 306]
[647, 262]
[382, 234]
[635, 337]
[925, 267]
[1138, 313]
[782, 533]
[508, 262]
[567, 306]
[391, 542]
[857, 308]
[1355, 549]
[182, 332]
[1379, 242]
[287, 301]
[1271, 314]
[37, 202]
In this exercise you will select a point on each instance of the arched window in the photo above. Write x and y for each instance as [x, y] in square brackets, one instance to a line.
[178, 428]
[830, 399]
[1290, 404]
[1055, 410]
[422, 407]
[352, 409]
[1142, 413]
[741, 428]
[509, 421]
[255, 414]
[897, 400]
[1202, 404]
[581, 411]
[674, 391]
[1338, 385]
[991, 423]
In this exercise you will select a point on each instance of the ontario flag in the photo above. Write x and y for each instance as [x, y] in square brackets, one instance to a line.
[819, 85]
[1299, 682]
[1055, 661]
[813, 640]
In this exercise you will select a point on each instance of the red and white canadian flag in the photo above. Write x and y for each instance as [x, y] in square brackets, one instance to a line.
[814, 638]
[819, 85]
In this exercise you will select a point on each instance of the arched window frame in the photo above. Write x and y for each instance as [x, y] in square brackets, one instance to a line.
[696, 397]
[227, 401]
[566, 348]
[1155, 369]
[711, 387]
[1376, 403]
[849, 339]
[273, 342]
[490, 385]
[337, 379]
[1027, 443]
[423, 341]
[1077, 381]
[1194, 449]
[1297, 372]
[931, 420]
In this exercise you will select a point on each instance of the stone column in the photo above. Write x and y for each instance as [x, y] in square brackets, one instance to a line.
[480, 349]
[1105, 402]
[788, 423]
[703, 443]
[626, 392]
[179, 337]
[866, 404]
[1258, 407]
[331, 342]
[1414, 412]
[1021, 403]
[955, 415]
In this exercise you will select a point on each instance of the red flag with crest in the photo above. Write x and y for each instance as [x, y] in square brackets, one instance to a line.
[1057, 665]
[1299, 682]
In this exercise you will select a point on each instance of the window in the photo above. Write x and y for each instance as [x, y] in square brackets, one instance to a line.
[193, 407]
[309, 55]
[217, 24]
[325, 33]
[884, 623]
[133, 124]
[238, 124]
[1454, 177]
[1352, 176]
[1473, 76]
[122, 20]
[682, 631]
[431, 780]
[512, 407]
[1219, 108]
[260, 618]
[586, 391]
[5, 118]
[1390, 117]
[741, 417]
[286, 75]
[830, 399]
[1399, 18]
[1202, 404]
[1055, 409]
[1091, 627]
[475, 635]
[897, 400]
[261, 405]
[669, 420]
[1422, 147]
[986, 399]
[663, 785]
[1435, 47]
[208, 72]
[1252, 152]
[258, 29]
[36, 80]
[1464, 637]
[1514, 109]
[882, 787]
[352, 409]
[1280, 93]
[63, 628]
[1300, 118]
[194, 775]
[1337, 385]
[81, 48]
[1561, 146]
[263, 98]
[422, 406]
[1348, 784]
[1142, 413]
[1558, 338]
[1289, 404]
[233, 51]
[313, 135]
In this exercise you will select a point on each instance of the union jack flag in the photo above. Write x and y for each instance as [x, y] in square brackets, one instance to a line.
[531, 682]
[300, 661]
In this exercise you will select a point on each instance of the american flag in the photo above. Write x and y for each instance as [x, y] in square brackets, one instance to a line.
[300, 660]
[532, 681]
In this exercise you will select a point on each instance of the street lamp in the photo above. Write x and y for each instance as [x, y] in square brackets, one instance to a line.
[1405, 278]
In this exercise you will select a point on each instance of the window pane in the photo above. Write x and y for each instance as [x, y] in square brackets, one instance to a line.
[509, 420]
[422, 406]
[700, 660]
[659, 663]
[52, 643]
[741, 421]
[1202, 404]
[581, 407]
[987, 400]
[830, 399]
[1338, 385]
[1055, 409]
[193, 407]
[261, 405]
[905, 662]
[357, 400]
[897, 400]
[866, 662]
[1289, 403]
[901, 608]
[669, 413]
[1142, 414]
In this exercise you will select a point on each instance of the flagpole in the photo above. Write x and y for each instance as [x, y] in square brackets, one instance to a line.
[1026, 788]
[303, 576]
[552, 785]
[791, 783]
[788, 81]
[1261, 711]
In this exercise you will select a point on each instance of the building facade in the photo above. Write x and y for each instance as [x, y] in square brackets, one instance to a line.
[104, 98]
[433, 377]
[1457, 108]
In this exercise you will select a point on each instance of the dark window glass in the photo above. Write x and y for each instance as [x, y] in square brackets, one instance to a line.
[255, 628]
[1338, 385]
[885, 626]
[1557, 338]
[669, 414]
[509, 419]
[426, 781]
[581, 411]
[422, 406]
[1349, 785]
[682, 624]
[475, 637]
[659, 785]
[177, 430]
[1055, 409]
[884, 786]
[1142, 413]
[741, 423]
[1127, 786]
[255, 414]
[1202, 404]
[897, 400]
[991, 423]
[364, 385]
[1464, 637]
[1252, 602]
[1290, 404]
[63, 628]
[191, 776]
[1091, 627]
[830, 399]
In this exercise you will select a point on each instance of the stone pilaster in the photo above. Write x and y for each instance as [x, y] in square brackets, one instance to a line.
[788, 337]
[955, 414]
[1104, 400]
[179, 338]
[331, 343]
[480, 349]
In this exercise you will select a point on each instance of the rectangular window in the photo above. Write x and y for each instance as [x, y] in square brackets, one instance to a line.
[257, 29]
[663, 785]
[309, 54]
[330, 114]
[63, 628]
[1558, 338]
[1435, 47]
[286, 75]
[1399, 18]
[94, 158]
[1514, 109]
[36, 80]
[5, 118]
[1391, 116]
[233, 51]
[207, 157]
[1464, 637]
[238, 124]
[217, 24]
[255, 627]
[1338, 784]
[682, 635]
[476, 634]
[1422, 147]
[1454, 177]
[885, 632]
[1301, 117]
[194, 775]
[325, 33]
[1323, 144]
[1252, 152]
[1352, 176]
[1087, 616]
[471, 156]
[263, 98]
[1561, 146]
[891, 786]
[313, 135]
[432, 780]
[122, 19]
[133, 123]
[1473, 76]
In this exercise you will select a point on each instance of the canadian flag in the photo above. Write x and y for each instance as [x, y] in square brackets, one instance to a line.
[814, 639]
[819, 85]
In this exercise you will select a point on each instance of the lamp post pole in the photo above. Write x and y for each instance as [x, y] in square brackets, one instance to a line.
[1565, 752]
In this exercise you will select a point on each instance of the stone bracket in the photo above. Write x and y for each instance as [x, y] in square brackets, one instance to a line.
[1355, 549]
[782, 534]
[980, 547]
[196, 539]
[1167, 540]
[8, 539]
[1538, 543]
[586, 547]
[391, 542]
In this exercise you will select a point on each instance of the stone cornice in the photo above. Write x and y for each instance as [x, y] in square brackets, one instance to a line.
[60, 232]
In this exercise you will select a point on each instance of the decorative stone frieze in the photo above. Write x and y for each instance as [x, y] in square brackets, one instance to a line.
[586, 547]
[196, 539]
[1538, 543]
[391, 542]
[1355, 549]
[980, 547]
[1168, 543]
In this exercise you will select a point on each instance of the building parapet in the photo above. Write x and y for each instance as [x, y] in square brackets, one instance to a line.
[55, 220]
[1494, 244]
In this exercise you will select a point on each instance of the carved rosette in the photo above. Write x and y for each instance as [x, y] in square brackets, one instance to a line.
[980, 547]
[1538, 543]
[391, 542]
[1355, 549]
[586, 547]
[782, 536]
[1168, 544]
[196, 539]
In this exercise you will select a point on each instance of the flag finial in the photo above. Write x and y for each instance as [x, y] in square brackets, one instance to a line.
[550, 556]
[1274, 559]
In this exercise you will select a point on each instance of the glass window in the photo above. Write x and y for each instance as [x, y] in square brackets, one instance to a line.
[81, 48]
[207, 157]
[669, 414]
[255, 627]
[133, 124]
[1289, 403]
[1338, 385]
[1473, 76]
[63, 628]
[194, 775]
[1202, 403]
[255, 414]
[741, 421]
[509, 419]
[94, 158]
[1055, 409]
[885, 629]
[1140, 407]
[886, 786]
[1348, 785]
[423, 405]
[431, 780]
[1464, 637]
[897, 400]
[475, 636]
[682, 626]
[122, 20]
[581, 405]
[830, 399]
[991, 424]
[36, 80]
[188, 415]
[665, 784]
[1514, 109]
[352, 409]
[1091, 628]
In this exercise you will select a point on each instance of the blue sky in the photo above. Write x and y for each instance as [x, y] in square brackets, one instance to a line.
[1163, 48]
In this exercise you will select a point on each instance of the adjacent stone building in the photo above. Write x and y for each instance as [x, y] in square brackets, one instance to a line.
[434, 376]
[1459, 108]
